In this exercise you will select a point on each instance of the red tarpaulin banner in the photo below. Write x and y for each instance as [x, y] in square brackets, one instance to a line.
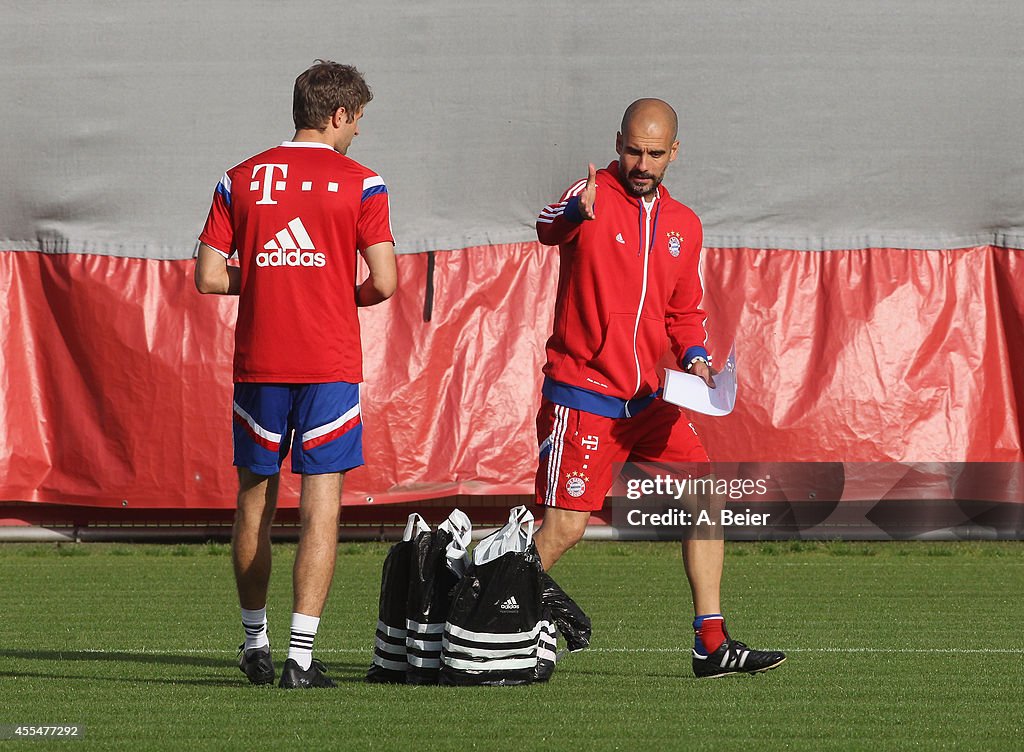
[116, 372]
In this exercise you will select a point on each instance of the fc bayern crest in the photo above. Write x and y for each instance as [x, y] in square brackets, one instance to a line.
[675, 244]
[576, 485]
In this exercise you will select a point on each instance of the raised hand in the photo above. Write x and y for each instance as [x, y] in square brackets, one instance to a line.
[589, 196]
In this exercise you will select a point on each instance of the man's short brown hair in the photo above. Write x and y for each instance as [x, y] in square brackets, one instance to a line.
[322, 89]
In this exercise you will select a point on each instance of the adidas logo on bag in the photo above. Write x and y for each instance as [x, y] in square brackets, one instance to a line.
[510, 605]
[292, 246]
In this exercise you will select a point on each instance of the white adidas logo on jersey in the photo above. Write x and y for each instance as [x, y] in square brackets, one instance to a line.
[291, 246]
[510, 605]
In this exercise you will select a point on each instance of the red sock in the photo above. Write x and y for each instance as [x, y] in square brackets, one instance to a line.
[711, 633]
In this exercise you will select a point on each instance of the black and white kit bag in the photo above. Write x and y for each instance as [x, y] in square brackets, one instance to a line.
[500, 629]
[439, 562]
[390, 659]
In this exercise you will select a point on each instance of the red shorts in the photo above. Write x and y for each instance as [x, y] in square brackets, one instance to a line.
[578, 450]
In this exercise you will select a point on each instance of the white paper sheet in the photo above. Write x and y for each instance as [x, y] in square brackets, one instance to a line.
[689, 391]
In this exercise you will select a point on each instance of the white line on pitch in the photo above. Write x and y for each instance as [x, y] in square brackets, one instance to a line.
[369, 650]
[825, 650]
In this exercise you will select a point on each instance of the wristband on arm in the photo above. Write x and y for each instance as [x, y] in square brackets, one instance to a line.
[572, 210]
[693, 355]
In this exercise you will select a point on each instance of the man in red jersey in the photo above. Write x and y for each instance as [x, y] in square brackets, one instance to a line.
[297, 215]
[628, 274]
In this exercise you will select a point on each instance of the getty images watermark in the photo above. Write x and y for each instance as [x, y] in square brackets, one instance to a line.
[685, 502]
[818, 500]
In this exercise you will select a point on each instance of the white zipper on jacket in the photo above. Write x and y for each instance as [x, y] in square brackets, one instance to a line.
[646, 248]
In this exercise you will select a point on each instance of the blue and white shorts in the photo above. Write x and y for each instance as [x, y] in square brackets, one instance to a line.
[319, 423]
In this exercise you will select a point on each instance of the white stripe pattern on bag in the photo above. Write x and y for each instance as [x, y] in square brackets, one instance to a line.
[490, 651]
[460, 649]
[389, 647]
[419, 662]
[495, 638]
[428, 628]
[496, 665]
[431, 645]
[388, 664]
[424, 644]
[390, 631]
[547, 642]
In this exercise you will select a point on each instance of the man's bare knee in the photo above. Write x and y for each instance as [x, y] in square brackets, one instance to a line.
[562, 529]
[257, 501]
[320, 502]
[563, 537]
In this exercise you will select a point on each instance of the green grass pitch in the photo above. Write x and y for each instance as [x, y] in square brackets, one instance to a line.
[891, 646]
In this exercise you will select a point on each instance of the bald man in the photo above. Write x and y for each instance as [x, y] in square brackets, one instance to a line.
[628, 274]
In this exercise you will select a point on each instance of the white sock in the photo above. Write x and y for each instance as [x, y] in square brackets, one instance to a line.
[255, 625]
[300, 648]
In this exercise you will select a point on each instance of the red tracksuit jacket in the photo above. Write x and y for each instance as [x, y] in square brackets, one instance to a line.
[628, 285]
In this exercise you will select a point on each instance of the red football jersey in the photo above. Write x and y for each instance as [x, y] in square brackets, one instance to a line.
[297, 215]
[626, 279]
